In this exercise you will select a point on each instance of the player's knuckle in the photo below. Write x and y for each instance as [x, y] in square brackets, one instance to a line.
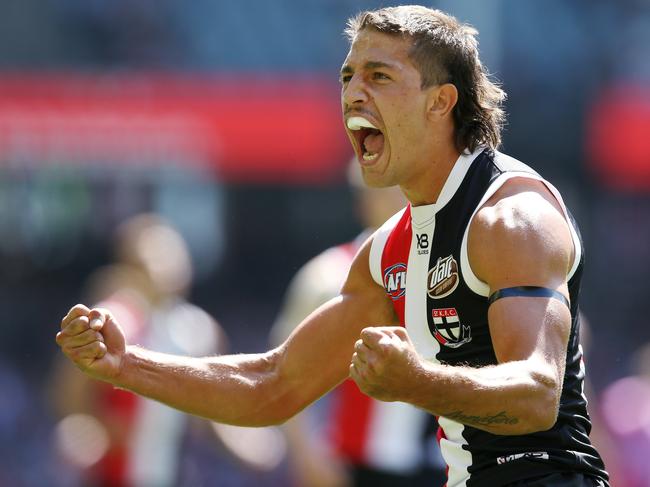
[102, 313]
[371, 367]
[354, 374]
[360, 369]
[78, 324]
[78, 308]
[383, 348]
[72, 353]
[84, 339]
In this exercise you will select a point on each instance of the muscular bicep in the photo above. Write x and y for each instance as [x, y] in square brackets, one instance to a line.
[316, 356]
[530, 328]
[521, 238]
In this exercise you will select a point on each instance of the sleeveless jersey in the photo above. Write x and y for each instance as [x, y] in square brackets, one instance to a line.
[420, 257]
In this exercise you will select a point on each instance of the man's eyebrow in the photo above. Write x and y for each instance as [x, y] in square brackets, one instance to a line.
[347, 69]
[377, 64]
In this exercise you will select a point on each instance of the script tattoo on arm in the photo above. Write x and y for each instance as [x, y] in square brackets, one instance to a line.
[498, 418]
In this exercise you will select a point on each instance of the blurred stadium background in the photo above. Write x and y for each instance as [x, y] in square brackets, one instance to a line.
[223, 117]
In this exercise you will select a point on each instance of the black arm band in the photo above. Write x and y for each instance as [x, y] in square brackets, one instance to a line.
[529, 292]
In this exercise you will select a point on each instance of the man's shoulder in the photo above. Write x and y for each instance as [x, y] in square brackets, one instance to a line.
[520, 203]
[379, 240]
[522, 226]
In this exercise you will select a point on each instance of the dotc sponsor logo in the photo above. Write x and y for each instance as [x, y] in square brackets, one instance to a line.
[443, 277]
[395, 281]
[448, 329]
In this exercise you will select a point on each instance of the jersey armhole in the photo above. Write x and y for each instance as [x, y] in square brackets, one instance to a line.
[379, 240]
[474, 283]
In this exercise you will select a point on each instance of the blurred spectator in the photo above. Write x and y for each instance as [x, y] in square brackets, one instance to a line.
[349, 438]
[117, 438]
[25, 458]
[600, 435]
[625, 407]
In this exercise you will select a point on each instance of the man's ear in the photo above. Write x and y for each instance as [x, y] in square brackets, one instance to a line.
[442, 100]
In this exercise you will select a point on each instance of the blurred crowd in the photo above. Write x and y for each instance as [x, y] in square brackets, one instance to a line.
[197, 258]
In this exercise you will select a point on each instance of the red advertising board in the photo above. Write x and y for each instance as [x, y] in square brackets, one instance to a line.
[249, 128]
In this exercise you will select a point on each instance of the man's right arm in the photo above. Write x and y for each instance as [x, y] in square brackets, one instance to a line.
[248, 389]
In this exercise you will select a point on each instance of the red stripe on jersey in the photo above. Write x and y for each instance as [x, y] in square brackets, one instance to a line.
[351, 421]
[395, 255]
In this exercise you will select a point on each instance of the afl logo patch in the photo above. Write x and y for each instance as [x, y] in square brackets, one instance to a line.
[395, 281]
[443, 277]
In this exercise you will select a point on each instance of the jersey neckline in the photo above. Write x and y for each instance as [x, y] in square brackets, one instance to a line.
[422, 215]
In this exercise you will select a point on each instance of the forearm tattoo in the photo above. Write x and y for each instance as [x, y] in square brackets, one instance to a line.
[499, 418]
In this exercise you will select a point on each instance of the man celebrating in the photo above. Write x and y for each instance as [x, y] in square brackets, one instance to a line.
[464, 304]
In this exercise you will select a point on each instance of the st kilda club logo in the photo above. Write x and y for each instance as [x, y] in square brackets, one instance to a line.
[443, 277]
[395, 281]
[447, 328]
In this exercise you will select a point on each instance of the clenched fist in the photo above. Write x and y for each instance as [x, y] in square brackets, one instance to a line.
[385, 364]
[93, 340]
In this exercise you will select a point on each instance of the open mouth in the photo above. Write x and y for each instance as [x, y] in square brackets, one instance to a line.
[369, 139]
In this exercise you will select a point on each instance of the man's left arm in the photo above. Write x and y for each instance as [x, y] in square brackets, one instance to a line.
[520, 237]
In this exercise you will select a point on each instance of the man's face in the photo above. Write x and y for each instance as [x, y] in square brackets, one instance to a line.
[384, 108]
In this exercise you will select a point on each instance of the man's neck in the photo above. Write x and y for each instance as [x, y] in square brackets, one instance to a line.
[427, 187]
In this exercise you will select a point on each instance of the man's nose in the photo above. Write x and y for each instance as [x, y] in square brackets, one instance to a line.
[355, 92]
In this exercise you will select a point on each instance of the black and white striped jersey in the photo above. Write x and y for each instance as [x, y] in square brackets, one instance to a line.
[420, 257]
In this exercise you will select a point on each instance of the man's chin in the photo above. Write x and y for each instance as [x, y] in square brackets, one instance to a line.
[377, 181]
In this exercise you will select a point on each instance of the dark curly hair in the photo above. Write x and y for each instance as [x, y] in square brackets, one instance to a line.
[445, 51]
